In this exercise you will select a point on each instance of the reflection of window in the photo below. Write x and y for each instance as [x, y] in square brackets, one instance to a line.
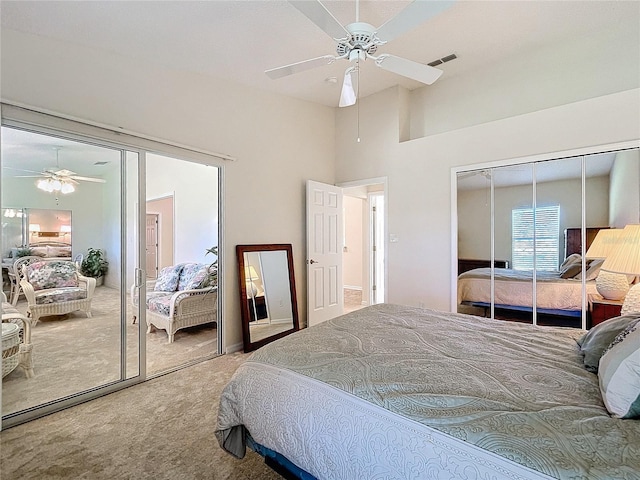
[547, 231]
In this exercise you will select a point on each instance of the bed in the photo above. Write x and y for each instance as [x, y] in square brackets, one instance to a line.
[398, 392]
[558, 295]
[513, 290]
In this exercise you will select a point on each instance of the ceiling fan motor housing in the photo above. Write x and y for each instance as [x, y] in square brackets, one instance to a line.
[362, 38]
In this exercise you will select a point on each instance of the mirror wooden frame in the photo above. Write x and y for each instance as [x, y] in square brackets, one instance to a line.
[244, 307]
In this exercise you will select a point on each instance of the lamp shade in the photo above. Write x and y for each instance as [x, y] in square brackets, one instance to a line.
[625, 258]
[604, 244]
[250, 273]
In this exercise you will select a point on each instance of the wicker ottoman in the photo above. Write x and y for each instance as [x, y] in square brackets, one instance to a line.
[10, 347]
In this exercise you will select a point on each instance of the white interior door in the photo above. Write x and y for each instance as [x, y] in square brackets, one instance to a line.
[152, 245]
[325, 298]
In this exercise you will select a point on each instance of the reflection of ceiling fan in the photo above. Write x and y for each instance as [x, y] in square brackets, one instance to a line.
[56, 179]
[358, 41]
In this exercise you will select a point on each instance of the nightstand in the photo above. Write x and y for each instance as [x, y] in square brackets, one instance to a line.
[603, 309]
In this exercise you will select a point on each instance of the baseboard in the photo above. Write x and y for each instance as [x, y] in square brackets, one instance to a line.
[351, 287]
[236, 347]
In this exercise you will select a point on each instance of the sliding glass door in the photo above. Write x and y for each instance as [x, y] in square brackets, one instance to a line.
[91, 219]
[65, 268]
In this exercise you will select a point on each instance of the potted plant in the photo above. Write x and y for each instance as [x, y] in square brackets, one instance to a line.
[95, 265]
[213, 268]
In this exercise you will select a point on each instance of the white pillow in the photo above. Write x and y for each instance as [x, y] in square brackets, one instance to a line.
[619, 374]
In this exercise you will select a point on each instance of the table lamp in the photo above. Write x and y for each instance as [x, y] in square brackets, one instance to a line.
[626, 260]
[610, 285]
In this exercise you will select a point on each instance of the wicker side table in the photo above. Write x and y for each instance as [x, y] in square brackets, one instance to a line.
[10, 347]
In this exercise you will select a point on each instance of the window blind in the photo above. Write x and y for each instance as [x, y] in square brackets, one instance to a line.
[540, 227]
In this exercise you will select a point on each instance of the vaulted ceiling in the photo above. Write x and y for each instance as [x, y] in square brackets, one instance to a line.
[238, 40]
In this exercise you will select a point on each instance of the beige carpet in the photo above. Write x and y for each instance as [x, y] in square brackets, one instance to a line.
[72, 353]
[161, 429]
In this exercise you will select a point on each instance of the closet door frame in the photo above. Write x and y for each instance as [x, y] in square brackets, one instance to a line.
[533, 159]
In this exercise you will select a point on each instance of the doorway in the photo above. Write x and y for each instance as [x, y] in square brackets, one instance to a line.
[327, 245]
[160, 234]
[364, 246]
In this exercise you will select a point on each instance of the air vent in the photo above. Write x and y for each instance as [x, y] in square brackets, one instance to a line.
[442, 60]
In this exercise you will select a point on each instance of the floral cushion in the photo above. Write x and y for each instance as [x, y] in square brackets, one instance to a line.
[56, 295]
[160, 304]
[52, 274]
[168, 279]
[193, 275]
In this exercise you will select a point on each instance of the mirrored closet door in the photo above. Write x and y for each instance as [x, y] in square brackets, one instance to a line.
[534, 222]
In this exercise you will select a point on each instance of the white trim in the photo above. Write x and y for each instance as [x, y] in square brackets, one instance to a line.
[352, 287]
[22, 112]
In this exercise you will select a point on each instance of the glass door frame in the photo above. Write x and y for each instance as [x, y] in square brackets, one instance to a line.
[58, 126]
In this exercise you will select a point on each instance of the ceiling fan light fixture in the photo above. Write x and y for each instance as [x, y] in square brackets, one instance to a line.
[67, 188]
[45, 185]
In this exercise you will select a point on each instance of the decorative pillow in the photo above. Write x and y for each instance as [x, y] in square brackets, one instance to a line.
[193, 275]
[168, 279]
[592, 270]
[570, 260]
[52, 274]
[58, 251]
[39, 251]
[619, 374]
[595, 341]
[571, 270]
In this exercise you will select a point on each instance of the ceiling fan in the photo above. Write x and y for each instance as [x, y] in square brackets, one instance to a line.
[55, 179]
[359, 41]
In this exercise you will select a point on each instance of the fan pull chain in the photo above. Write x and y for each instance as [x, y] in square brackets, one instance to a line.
[358, 102]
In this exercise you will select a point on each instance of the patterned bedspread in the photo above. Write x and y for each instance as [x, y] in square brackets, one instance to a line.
[515, 390]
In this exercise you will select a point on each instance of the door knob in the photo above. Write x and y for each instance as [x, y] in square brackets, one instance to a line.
[312, 261]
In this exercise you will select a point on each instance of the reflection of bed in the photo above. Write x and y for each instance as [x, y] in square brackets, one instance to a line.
[50, 249]
[514, 291]
[401, 392]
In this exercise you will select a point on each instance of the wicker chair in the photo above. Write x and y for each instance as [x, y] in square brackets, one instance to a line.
[18, 346]
[179, 298]
[54, 287]
[15, 275]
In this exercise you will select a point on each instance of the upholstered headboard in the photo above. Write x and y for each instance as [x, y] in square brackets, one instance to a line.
[50, 249]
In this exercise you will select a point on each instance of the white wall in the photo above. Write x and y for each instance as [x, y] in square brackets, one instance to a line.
[353, 234]
[194, 188]
[624, 207]
[419, 172]
[474, 213]
[576, 69]
[279, 142]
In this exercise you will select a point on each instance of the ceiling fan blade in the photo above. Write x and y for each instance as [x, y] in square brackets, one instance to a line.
[408, 68]
[21, 170]
[280, 72]
[87, 179]
[318, 14]
[348, 94]
[414, 14]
